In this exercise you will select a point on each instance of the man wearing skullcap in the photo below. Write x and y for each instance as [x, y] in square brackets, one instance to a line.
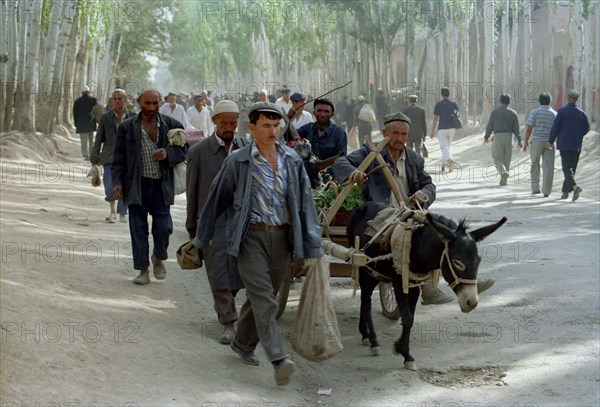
[204, 162]
[199, 116]
[142, 174]
[569, 127]
[175, 110]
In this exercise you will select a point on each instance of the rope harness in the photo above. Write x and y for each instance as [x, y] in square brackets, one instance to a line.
[396, 232]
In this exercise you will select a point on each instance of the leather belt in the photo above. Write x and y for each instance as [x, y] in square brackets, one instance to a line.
[263, 227]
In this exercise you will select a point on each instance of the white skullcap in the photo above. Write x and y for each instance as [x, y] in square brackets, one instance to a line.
[226, 106]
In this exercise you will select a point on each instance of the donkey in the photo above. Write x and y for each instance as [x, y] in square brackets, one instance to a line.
[427, 249]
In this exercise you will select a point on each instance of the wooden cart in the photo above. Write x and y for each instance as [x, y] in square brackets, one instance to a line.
[350, 258]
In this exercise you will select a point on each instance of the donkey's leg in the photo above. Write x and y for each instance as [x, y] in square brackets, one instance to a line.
[401, 346]
[365, 323]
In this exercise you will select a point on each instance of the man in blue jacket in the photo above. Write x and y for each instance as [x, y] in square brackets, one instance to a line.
[142, 174]
[274, 219]
[569, 127]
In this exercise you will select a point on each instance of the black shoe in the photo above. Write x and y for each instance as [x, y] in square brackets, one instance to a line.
[564, 195]
[248, 357]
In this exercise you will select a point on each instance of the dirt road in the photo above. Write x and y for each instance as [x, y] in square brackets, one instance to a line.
[77, 332]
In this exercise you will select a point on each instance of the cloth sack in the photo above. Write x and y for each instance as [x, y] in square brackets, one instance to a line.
[189, 257]
[353, 138]
[94, 174]
[178, 137]
[97, 112]
[367, 114]
[316, 336]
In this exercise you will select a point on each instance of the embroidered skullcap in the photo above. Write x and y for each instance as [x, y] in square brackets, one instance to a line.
[396, 117]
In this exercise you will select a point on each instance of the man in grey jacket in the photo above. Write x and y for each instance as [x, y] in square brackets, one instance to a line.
[142, 174]
[106, 138]
[204, 162]
[274, 219]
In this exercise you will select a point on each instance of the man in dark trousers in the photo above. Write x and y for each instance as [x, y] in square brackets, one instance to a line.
[418, 125]
[569, 127]
[85, 124]
[142, 174]
[204, 162]
[106, 138]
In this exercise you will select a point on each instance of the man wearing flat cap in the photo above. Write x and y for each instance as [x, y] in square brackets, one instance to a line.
[326, 138]
[265, 187]
[142, 174]
[569, 127]
[299, 117]
[204, 162]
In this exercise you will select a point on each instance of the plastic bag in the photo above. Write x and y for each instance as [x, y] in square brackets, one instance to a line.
[367, 114]
[316, 336]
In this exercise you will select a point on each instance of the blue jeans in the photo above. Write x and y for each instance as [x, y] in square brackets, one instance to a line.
[153, 203]
[108, 187]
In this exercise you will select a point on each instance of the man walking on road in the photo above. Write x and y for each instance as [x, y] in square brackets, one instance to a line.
[539, 124]
[142, 174]
[204, 162]
[418, 125]
[503, 124]
[569, 127]
[85, 124]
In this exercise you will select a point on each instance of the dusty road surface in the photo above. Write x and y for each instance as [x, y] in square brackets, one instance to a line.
[77, 332]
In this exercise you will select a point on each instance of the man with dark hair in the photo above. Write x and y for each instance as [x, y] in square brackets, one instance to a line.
[274, 219]
[142, 174]
[569, 127]
[503, 123]
[326, 138]
[539, 125]
[85, 124]
[418, 125]
[442, 114]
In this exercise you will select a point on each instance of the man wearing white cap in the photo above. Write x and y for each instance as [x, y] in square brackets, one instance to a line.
[204, 162]
[85, 124]
[569, 127]
[142, 174]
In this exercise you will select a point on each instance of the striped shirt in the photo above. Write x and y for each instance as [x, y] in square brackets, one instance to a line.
[542, 120]
[150, 167]
[269, 190]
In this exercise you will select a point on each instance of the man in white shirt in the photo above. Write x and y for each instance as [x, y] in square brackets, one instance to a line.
[174, 110]
[300, 117]
[199, 116]
[284, 101]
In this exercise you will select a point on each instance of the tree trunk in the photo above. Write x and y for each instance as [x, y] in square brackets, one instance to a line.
[25, 105]
[489, 62]
[4, 59]
[587, 66]
[59, 69]
[70, 87]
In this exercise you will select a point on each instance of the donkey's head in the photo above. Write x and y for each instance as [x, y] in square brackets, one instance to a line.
[460, 260]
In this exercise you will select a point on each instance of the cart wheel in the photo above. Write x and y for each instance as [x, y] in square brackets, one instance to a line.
[282, 296]
[388, 301]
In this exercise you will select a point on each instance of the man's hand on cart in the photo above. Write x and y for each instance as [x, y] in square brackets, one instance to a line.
[359, 177]
[418, 198]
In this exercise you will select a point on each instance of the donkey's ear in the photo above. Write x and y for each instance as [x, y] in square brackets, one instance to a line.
[479, 234]
[444, 233]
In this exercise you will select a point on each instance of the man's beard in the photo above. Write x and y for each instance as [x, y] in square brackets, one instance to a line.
[226, 136]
